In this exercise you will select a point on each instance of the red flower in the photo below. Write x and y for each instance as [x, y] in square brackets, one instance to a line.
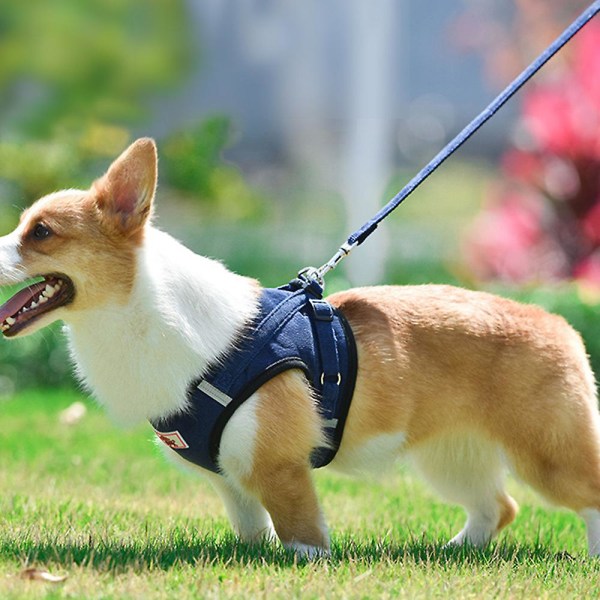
[591, 224]
[544, 223]
[588, 270]
[523, 166]
[508, 243]
[563, 116]
[587, 64]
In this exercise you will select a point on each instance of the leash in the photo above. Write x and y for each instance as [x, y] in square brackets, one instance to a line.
[312, 274]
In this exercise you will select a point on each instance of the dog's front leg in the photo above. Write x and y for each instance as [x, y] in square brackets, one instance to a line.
[287, 491]
[248, 517]
[264, 453]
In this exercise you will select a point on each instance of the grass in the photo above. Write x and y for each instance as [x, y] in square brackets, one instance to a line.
[101, 506]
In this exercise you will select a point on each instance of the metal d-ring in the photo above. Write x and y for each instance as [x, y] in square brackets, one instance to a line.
[339, 379]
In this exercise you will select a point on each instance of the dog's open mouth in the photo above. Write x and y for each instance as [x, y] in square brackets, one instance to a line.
[34, 301]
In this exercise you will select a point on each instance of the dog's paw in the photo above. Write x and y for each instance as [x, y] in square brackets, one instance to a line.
[470, 537]
[253, 536]
[307, 551]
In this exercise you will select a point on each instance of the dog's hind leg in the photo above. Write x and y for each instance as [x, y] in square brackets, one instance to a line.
[569, 477]
[468, 471]
[563, 464]
[552, 441]
[591, 516]
[487, 515]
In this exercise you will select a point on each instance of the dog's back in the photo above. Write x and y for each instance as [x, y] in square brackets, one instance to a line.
[439, 358]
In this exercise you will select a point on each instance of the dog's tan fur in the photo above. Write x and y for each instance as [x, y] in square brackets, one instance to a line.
[462, 383]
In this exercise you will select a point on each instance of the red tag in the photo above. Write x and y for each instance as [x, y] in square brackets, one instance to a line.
[173, 439]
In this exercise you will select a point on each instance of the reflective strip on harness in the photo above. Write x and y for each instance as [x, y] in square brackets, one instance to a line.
[214, 393]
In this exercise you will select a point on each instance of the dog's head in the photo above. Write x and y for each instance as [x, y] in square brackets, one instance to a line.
[76, 249]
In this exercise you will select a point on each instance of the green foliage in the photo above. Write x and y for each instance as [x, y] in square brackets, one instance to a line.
[75, 75]
[39, 360]
[192, 163]
[191, 156]
[91, 60]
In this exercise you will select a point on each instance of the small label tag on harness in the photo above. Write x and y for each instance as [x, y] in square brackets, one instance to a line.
[173, 439]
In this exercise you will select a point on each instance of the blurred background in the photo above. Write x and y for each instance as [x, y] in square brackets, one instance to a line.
[283, 126]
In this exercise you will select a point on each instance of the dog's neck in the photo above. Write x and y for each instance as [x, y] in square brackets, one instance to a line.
[183, 313]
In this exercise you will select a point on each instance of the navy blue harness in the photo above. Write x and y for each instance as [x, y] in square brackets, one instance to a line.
[295, 329]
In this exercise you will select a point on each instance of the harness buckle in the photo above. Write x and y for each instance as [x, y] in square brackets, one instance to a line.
[322, 310]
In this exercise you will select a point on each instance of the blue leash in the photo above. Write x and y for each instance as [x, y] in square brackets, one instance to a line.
[360, 235]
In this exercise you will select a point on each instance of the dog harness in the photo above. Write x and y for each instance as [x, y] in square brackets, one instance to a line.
[294, 329]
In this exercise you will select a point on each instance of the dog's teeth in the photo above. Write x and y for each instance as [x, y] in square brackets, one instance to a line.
[33, 305]
[10, 320]
[24, 310]
[50, 291]
[42, 299]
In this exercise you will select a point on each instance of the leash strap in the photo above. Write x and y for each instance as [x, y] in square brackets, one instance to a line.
[360, 235]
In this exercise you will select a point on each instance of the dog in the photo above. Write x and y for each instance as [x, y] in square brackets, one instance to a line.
[464, 384]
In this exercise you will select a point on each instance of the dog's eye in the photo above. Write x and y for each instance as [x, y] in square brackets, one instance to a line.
[41, 231]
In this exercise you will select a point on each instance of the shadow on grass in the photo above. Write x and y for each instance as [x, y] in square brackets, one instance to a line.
[176, 548]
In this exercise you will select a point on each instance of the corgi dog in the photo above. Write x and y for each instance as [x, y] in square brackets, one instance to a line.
[465, 385]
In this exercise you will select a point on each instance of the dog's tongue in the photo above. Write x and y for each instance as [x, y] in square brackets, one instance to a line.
[21, 299]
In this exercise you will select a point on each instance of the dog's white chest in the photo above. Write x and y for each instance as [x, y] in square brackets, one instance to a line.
[136, 371]
[183, 313]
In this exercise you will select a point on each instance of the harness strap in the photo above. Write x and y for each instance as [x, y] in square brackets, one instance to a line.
[215, 393]
[330, 376]
[262, 334]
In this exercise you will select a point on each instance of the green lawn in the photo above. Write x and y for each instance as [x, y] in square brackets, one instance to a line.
[102, 507]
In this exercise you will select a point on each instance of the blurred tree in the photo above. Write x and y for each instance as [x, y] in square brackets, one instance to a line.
[75, 75]
[506, 47]
[192, 163]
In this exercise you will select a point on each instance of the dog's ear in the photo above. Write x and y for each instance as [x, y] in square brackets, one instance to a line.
[125, 193]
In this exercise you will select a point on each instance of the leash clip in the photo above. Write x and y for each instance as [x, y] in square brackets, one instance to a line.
[311, 281]
[312, 275]
[333, 262]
